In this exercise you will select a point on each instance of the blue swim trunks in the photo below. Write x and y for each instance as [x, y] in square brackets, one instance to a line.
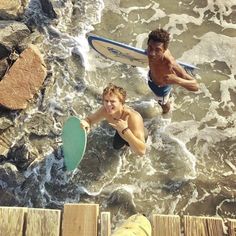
[162, 92]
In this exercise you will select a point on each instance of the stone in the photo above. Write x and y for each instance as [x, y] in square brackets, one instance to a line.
[8, 198]
[123, 199]
[12, 34]
[23, 79]
[48, 9]
[5, 137]
[12, 9]
[3, 67]
[22, 154]
[10, 174]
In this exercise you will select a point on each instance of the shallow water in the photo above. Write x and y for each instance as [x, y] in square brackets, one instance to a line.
[190, 166]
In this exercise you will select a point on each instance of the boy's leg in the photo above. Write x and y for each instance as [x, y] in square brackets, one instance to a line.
[164, 102]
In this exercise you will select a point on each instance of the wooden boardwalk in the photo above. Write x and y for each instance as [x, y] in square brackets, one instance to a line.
[86, 220]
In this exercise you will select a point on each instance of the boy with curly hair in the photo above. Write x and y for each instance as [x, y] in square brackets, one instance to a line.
[164, 70]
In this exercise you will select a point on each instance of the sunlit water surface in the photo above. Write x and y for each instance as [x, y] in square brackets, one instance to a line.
[190, 165]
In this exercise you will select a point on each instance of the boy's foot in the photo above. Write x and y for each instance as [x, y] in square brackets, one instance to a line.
[165, 108]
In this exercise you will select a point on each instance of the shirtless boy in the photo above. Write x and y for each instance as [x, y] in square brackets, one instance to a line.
[164, 70]
[127, 122]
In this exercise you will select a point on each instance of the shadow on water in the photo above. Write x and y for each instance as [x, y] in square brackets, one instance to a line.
[101, 162]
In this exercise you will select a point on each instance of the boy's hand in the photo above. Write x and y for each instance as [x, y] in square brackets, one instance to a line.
[120, 124]
[85, 125]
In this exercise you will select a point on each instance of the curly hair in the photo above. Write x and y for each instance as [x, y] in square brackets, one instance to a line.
[160, 35]
[113, 89]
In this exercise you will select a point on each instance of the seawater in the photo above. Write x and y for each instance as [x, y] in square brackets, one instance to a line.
[190, 165]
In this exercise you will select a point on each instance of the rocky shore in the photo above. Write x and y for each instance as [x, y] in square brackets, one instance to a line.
[23, 72]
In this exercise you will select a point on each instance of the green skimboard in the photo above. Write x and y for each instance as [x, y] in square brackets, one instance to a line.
[74, 139]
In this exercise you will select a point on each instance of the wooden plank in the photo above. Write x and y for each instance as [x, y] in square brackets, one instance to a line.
[80, 219]
[12, 221]
[105, 224]
[203, 226]
[166, 225]
[42, 222]
[231, 227]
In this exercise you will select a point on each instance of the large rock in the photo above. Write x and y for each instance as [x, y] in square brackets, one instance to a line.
[3, 67]
[12, 9]
[6, 136]
[12, 34]
[23, 79]
[22, 154]
[8, 198]
[47, 7]
[10, 176]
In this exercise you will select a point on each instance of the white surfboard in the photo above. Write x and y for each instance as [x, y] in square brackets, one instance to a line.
[124, 53]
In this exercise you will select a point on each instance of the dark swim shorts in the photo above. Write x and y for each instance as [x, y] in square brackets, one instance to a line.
[119, 142]
[162, 92]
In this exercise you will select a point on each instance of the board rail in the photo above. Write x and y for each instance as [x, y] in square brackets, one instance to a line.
[92, 37]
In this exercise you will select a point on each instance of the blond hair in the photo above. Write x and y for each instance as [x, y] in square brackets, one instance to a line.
[113, 89]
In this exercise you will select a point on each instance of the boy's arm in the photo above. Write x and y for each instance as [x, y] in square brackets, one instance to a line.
[182, 78]
[135, 134]
[93, 119]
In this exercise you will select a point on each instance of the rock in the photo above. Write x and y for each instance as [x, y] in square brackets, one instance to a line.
[34, 38]
[47, 8]
[8, 198]
[10, 175]
[122, 198]
[23, 79]
[40, 125]
[12, 9]
[22, 154]
[5, 137]
[5, 123]
[3, 67]
[12, 34]
[4, 148]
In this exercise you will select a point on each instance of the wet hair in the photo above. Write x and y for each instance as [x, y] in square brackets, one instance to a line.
[113, 89]
[160, 35]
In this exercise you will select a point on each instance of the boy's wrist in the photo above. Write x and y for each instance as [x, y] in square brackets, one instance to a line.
[88, 121]
[124, 130]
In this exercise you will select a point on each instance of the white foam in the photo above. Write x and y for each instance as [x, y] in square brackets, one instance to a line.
[220, 9]
[182, 20]
[211, 47]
